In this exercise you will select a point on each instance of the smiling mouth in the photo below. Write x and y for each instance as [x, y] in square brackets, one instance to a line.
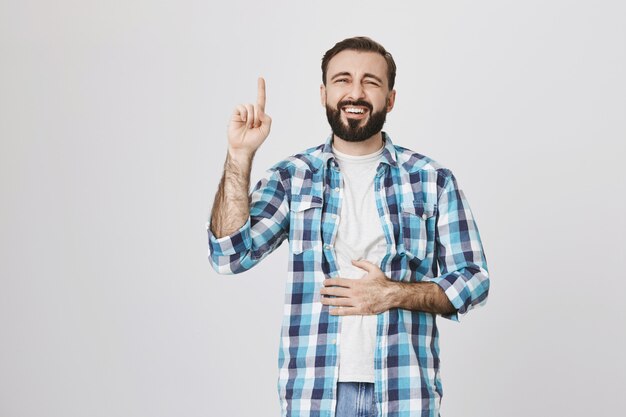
[354, 111]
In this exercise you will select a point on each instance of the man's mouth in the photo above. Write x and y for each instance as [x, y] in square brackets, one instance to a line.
[355, 111]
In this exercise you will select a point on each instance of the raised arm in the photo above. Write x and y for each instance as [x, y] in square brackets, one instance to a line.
[246, 228]
[248, 128]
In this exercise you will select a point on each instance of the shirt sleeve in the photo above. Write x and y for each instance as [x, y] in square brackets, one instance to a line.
[464, 276]
[265, 229]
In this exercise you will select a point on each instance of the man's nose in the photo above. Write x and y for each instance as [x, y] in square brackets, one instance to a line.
[357, 92]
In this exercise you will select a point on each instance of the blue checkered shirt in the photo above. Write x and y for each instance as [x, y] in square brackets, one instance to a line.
[431, 237]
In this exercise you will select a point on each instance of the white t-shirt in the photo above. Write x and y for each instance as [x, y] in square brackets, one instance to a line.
[360, 236]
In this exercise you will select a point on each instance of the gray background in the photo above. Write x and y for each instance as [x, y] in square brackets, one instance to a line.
[113, 118]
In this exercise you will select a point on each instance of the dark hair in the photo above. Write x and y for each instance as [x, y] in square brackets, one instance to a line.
[361, 43]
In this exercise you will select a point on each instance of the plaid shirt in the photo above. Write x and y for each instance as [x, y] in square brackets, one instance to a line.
[431, 237]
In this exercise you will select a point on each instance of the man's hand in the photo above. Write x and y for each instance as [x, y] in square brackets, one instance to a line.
[249, 126]
[367, 295]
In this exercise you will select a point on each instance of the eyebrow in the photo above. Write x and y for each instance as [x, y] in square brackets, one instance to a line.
[366, 75]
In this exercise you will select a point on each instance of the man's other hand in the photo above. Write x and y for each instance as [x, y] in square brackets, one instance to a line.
[367, 295]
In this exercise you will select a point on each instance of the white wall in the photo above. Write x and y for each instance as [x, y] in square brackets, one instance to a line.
[112, 125]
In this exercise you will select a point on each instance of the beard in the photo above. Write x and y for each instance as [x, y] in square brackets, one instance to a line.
[352, 132]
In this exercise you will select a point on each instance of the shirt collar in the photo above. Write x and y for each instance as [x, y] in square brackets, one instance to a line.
[388, 156]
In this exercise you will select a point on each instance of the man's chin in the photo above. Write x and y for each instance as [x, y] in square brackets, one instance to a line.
[350, 123]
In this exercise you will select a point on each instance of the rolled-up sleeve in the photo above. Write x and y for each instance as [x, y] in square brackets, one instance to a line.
[463, 266]
[265, 229]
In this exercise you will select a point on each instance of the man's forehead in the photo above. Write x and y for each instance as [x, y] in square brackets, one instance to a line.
[356, 62]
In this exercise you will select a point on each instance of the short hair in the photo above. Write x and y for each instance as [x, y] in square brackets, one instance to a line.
[361, 43]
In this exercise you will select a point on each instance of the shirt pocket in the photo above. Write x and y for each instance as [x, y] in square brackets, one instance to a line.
[305, 214]
[414, 228]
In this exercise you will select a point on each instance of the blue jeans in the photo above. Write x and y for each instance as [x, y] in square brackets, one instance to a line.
[355, 399]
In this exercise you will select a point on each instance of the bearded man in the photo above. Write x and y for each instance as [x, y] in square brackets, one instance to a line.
[381, 242]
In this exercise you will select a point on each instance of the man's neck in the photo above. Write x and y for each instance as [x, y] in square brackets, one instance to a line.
[365, 147]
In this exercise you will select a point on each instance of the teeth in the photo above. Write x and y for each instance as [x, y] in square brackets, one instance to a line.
[355, 110]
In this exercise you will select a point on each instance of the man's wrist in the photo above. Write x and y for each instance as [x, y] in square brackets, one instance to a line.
[395, 293]
[240, 158]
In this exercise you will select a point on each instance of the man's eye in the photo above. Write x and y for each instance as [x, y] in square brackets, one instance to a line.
[342, 80]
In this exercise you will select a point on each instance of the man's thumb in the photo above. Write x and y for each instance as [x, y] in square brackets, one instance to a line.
[364, 264]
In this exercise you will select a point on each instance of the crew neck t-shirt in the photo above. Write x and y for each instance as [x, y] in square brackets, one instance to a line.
[360, 236]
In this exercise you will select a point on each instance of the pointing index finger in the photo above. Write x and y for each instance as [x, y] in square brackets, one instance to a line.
[260, 99]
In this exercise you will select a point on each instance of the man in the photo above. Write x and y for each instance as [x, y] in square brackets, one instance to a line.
[381, 241]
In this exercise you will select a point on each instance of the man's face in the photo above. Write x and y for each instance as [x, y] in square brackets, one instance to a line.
[356, 95]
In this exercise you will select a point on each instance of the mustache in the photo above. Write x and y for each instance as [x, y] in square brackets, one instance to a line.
[361, 103]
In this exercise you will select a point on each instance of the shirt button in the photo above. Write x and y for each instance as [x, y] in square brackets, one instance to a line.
[336, 189]
[327, 246]
[334, 216]
[334, 341]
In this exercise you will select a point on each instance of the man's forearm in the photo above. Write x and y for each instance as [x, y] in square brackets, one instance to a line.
[231, 207]
[420, 296]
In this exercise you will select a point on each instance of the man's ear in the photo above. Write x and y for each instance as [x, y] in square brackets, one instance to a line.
[323, 95]
[391, 99]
